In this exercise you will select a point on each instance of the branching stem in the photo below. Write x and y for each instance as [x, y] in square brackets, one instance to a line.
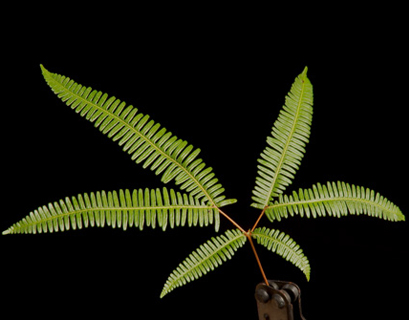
[248, 235]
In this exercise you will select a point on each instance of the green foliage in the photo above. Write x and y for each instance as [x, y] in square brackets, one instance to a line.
[126, 209]
[143, 139]
[283, 245]
[204, 259]
[199, 205]
[282, 157]
[335, 199]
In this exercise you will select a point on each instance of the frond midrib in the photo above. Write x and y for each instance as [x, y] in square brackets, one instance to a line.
[117, 118]
[287, 144]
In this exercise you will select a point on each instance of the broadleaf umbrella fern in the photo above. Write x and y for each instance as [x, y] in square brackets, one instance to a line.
[201, 196]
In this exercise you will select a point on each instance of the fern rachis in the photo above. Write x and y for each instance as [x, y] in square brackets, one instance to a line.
[201, 197]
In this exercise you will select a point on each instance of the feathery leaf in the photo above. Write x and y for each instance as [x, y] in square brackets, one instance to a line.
[206, 258]
[126, 209]
[143, 139]
[282, 157]
[335, 199]
[283, 245]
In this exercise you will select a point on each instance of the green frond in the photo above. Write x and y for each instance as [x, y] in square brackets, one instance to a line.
[282, 157]
[145, 141]
[206, 258]
[124, 209]
[283, 245]
[335, 199]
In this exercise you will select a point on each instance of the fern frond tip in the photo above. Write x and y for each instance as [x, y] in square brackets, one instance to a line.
[304, 73]
[307, 273]
[163, 293]
[226, 202]
[43, 69]
[401, 216]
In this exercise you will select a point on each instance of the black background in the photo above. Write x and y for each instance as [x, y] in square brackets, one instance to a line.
[218, 79]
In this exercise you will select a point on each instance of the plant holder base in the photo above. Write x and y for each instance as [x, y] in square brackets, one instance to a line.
[276, 301]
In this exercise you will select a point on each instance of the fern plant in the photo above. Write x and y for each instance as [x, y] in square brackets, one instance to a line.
[200, 200]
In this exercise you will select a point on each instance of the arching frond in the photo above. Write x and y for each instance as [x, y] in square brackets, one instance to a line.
[124, 209]
[283, 245]
[335, 199]
[206, 258]
[143, 139]
[282, 157]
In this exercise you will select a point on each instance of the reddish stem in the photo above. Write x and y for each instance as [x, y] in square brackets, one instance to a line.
[248, 235]
[258, 220]
[232, 221]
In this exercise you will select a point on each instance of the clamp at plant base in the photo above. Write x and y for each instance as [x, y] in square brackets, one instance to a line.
[276, 301]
